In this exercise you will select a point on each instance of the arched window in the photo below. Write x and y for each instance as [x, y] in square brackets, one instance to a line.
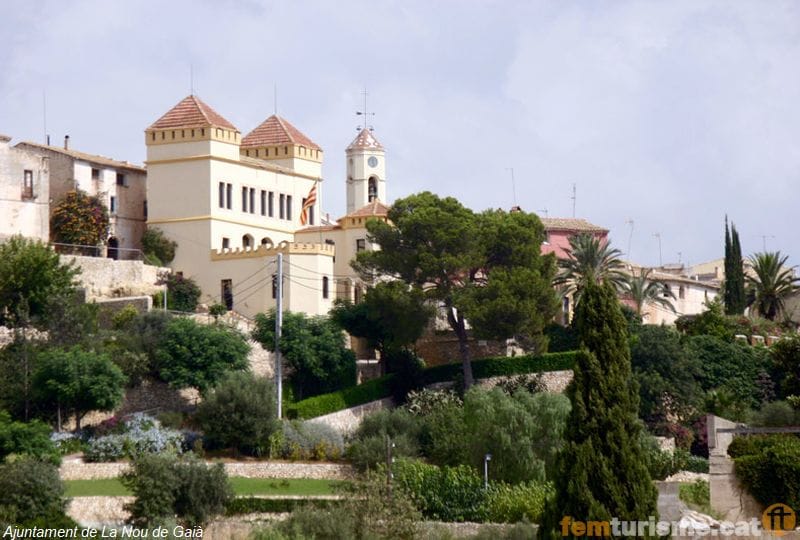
[372, 189]
[247, 241]
[325, 287]
[266, 241]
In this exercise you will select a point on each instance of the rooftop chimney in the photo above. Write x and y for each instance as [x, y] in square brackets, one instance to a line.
[66, 142]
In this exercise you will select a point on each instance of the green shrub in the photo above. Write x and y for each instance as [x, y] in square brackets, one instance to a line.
[28, 439]
[310, 441]
[183, 293]
[240, 413]
[372, 390]
[381, 387]
[31, 492]
[696, 494]
[442, 493]
[512, 503]
[196, 355]
[368, 447]
[426, 401]
[444, 435]
[407, 374]
[158, 249]
[776, 414]
[769, 467]
[165, 486]
[523, 432]
[561, 338]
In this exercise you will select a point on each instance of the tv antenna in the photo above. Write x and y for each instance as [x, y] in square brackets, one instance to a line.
[660, 260]
[630, 238]
[513, 185]
[365, 114]
[764, 240]
[574, 198]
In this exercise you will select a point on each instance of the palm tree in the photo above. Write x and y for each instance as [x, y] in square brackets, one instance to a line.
[772, 283]
[590, 259]
[642, 291]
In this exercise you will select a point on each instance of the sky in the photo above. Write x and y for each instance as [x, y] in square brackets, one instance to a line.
[664, 116]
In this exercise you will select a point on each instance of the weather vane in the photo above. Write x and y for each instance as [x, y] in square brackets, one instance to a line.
[365, 114]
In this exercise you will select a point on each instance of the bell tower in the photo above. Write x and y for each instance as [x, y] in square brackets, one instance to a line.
[366, 171]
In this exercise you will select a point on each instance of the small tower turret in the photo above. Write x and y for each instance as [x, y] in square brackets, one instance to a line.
[366, 171]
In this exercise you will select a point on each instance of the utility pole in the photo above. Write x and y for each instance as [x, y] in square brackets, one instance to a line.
[278, 325]
[574, 197]
[389, 461]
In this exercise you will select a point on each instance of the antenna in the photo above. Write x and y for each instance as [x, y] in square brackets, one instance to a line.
[44, 114]
[764, 240]
[574, 198]
[630, 238]
[513, 185]
[660, 261]
[544, 210]
[191, 79]
[679, 257]
[275, 99]
[365, 114]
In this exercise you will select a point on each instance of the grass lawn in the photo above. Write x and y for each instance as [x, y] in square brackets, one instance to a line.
[241, 486]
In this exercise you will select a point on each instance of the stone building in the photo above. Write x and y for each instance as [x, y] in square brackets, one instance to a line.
[24, 192]
[119, 184]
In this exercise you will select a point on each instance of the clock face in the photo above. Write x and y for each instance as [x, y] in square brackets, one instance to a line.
[372, 161]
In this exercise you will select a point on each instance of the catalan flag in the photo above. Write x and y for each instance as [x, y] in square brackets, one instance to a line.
[308, 205]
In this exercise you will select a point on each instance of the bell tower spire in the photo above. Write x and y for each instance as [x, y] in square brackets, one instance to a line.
[366, 165]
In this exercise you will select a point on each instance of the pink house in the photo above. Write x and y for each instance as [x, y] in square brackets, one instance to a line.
[559, 230]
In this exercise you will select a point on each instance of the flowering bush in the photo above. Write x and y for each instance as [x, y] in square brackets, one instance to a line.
[424, 402]
[143, 435]
[80, 219]
[67, 442]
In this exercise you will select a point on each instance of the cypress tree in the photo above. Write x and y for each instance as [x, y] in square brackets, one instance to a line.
[601, 470]
[734, 293]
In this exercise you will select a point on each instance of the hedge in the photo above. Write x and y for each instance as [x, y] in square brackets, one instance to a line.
[769, 467]
[257, 505]
[498, 366]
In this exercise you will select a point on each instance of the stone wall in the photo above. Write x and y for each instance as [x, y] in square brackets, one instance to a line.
[107, 278]
[346, 421]
[76, 469]
[553, 381]
[437, 349]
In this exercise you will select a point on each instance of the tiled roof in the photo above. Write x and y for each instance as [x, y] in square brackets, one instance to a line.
[318, 228]
[365, 140]
[570, 224]
[375, 208]
[91, 158]
[191, 112]
[276, 130]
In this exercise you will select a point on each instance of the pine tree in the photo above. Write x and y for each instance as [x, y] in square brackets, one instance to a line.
[602, 473]
[734, 293]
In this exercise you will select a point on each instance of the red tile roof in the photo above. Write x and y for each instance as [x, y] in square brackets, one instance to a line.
[375, 208]
[570, 224]
[83, 156]
[276, 130]
[365, 140]
[191, 112]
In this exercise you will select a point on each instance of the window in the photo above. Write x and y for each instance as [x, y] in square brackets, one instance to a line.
[144, 209]
[247, 241]
[361, 245]
[282, 206]
[222, 194]
[226, 243]
[285, 150]
[325, 287]
[372, 189]
[96, 173]
[229, 196]
[226, 293]
[289, 207]
[263, 203]
[121, 179]
[244, 199]
[667, 291]
[271, 206]
[27, 184]
[112, 207]
[681, 292]
[252, 200]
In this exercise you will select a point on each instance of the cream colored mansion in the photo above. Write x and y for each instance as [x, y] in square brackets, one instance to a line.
[232, 203]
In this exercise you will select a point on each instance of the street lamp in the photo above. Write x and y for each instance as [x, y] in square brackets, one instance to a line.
[486, 459]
